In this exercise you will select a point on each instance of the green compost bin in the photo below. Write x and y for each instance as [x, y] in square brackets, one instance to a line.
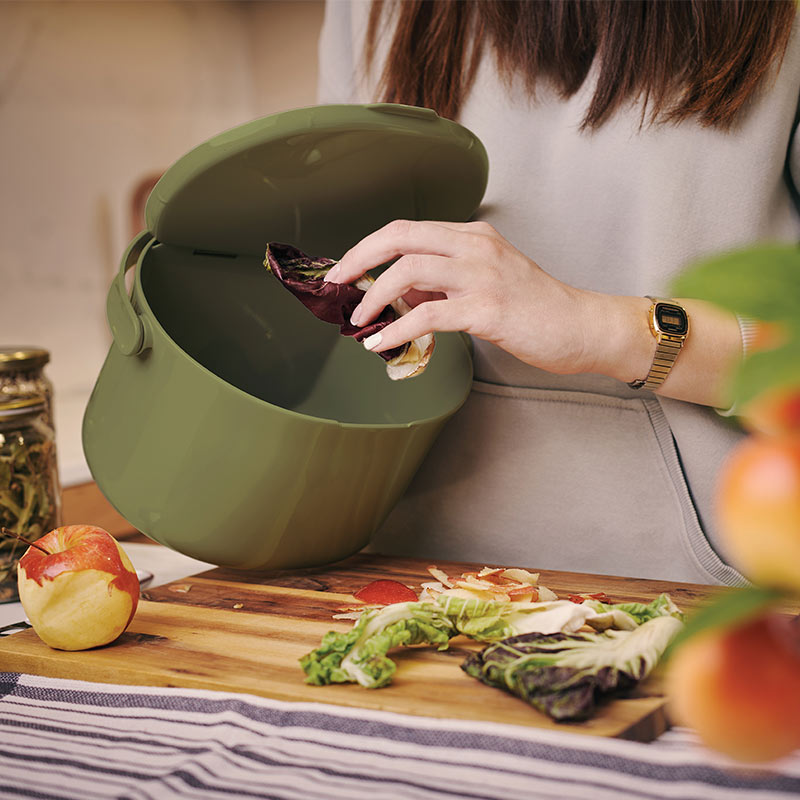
[227, 422]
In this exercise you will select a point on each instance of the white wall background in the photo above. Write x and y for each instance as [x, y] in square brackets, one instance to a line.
[93, 97]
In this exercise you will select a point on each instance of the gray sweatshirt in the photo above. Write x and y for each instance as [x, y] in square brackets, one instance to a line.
[580, 472]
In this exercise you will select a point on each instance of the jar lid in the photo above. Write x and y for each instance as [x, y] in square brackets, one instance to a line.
[25, 405]
[15, 358]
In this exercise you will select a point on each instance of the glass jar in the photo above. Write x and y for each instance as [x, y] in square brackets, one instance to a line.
[22, 376]
[30, 498]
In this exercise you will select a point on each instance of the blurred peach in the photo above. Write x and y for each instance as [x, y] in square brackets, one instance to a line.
[774, 412]
[758, 509]
[739, 688]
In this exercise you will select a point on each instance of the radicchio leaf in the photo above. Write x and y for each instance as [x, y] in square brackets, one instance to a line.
[564, 693]
[564, 675]
[303, 275]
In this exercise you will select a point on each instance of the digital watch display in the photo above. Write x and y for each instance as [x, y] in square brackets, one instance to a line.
[671, 319]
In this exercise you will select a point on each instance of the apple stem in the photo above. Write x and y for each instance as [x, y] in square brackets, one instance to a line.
[7, 532]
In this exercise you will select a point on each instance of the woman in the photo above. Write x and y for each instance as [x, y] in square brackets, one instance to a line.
[625, 141]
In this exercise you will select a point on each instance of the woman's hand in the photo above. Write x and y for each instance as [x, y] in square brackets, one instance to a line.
[467, 277]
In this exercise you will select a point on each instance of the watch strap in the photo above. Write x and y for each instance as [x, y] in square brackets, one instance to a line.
[667, 351]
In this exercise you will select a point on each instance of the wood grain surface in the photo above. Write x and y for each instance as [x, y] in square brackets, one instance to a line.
[244, 632]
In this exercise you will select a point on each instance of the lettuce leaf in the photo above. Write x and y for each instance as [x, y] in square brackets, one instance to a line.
[490, 620]
[627, 616]
[359, 655]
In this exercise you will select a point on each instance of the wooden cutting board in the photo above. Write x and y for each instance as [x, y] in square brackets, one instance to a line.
[244, 632]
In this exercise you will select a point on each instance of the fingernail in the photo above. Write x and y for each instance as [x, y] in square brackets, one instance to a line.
[371, 342]
[355, 317]
[331, 274]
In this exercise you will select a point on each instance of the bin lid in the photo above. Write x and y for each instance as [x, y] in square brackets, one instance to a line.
[319, 178]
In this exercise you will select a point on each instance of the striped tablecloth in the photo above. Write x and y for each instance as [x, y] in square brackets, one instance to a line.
[70, 739]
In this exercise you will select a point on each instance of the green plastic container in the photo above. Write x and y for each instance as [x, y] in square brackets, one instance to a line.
[227, 422]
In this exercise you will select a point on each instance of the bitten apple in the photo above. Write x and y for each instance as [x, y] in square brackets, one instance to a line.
[82, 592]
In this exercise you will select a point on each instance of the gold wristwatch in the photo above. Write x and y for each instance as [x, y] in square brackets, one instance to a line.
[669, 323]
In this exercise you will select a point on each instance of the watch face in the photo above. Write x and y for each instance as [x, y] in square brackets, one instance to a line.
[671, 319]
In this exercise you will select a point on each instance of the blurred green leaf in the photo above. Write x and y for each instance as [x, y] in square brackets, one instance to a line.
[729, 609]
[768, 369]
[761, 282]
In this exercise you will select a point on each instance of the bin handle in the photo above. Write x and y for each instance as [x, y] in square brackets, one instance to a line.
[126, 325]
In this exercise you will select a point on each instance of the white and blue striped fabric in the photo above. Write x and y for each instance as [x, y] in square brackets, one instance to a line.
[71, 739]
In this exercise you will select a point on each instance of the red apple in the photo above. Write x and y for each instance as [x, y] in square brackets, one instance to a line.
[82, 592]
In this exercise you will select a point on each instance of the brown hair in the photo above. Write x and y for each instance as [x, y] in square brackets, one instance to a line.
[681, 58]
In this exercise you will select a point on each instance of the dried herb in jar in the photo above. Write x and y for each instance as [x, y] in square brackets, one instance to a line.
[29, 491]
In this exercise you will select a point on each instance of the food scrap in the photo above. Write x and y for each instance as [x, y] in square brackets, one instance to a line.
[565, 675]
[580, 598]
[385, 592]
[376, 595]
[500, 584]
[304, 276]
[561, 656]
[490, 583]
